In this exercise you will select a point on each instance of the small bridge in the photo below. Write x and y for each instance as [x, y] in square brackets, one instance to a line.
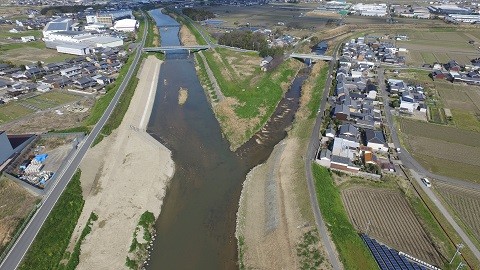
[165, 49]
[312, 57]
[169, 25]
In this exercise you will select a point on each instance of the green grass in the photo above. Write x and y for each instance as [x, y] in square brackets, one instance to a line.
[47, 250]
[318, 89]
[139, 251]
[466, 120]
[33, 44]
[74, 258]
[265, 93]
[50, 99]
[12, 111]
[36, 33]
[449, 168]
[308, 252]
[352, 251]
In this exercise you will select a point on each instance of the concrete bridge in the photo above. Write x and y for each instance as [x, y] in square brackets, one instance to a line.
[165, 49]
[312, 57]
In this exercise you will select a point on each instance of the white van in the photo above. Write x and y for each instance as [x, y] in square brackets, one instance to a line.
[426, 182]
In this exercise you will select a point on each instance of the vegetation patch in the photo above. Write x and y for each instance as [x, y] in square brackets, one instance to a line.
[308, 252]
[351, 249]
[251, 95]
[143, 236]
[74, 257]
[48, 248]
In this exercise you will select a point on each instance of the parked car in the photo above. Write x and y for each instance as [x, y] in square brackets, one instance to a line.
[426, 182]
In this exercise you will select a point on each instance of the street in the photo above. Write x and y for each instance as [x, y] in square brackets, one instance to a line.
[312, 148]
[21, 246]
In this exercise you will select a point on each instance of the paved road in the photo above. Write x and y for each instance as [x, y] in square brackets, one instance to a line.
[18, 251]
[312, 148]
[417, 170]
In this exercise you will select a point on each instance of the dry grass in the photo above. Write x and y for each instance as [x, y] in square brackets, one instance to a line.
[186, 37]
[15, 204]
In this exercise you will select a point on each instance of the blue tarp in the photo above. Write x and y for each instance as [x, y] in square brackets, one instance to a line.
[41, 158]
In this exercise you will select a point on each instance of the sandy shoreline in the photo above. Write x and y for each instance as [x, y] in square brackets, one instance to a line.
[122, 177]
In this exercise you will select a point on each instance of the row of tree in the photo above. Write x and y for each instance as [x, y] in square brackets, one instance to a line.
[249, 41]
[198, 14]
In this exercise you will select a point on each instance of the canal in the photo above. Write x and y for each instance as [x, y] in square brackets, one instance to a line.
[196, 226]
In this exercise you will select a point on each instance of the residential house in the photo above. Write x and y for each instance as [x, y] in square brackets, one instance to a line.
[84, 82]
[375, 139]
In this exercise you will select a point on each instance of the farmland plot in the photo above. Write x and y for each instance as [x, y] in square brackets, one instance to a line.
[439, 132]
[450, 151]
[465, 203]
[391, 220]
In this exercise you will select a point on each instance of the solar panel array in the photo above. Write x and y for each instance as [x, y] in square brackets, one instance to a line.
[387, 258]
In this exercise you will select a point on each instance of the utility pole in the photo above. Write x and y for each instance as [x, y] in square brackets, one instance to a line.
[459, 247]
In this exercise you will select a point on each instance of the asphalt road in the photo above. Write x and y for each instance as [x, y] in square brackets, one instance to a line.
[21, 246]
[311, 151]
[418, 171]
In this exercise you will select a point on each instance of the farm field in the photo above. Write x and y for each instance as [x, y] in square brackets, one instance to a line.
[439, 45]
[466, 205]
[12, 111]
[30, 52]
[442, 149]
[15, 204]
[391, 219]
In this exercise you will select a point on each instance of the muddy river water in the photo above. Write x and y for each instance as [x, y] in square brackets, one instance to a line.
[196, 226]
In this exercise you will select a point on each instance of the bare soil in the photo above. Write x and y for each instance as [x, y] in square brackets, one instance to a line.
[48, 120]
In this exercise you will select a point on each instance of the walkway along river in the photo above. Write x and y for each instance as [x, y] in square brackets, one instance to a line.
[196, 226]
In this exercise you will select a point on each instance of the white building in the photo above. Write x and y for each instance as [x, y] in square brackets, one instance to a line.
[109, 18]
[67, 36]
[95, 27]
[126, 25]
[75, 49]
[57, 25]
[379, 10]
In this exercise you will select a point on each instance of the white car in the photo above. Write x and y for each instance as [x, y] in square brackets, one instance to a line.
[426, 182]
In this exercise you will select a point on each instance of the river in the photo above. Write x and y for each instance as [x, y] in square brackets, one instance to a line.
[196, 226]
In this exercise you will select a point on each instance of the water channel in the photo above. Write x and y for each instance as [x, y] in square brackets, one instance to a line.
[196, 226]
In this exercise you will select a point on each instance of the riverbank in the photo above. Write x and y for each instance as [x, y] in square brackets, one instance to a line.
[275, 206]
[122, 177]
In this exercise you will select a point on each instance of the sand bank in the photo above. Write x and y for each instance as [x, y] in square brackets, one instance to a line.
[123, 176]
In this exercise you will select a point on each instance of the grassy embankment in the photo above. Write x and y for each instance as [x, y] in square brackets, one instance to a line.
[253, 97]
[138, 251]
[352, 251]
[48, 248]
[73, 259]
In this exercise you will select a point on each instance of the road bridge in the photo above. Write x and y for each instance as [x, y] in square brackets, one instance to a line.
[312, 57]
[165, 49]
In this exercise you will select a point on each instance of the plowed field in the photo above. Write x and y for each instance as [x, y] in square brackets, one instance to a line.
[390, 220]
[465, 203]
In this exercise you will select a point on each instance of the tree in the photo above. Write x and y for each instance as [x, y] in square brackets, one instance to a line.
[39, 64]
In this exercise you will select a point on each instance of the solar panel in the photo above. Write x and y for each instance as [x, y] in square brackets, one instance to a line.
[387, 258]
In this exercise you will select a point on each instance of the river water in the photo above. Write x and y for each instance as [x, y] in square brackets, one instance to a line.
[196, 226]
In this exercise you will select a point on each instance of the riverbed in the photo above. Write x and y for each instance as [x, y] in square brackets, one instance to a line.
[196, 226]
